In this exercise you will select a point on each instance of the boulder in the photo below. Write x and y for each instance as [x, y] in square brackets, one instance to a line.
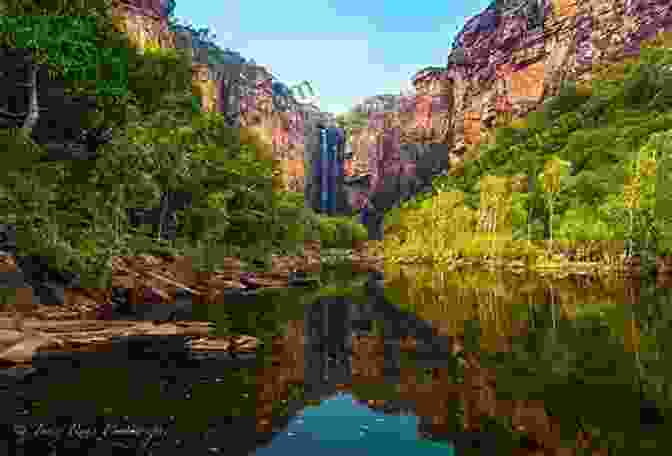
[47, 282]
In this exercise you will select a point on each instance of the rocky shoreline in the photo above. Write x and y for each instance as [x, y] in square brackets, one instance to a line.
[89, 318]
[556, 267]
[78, 333]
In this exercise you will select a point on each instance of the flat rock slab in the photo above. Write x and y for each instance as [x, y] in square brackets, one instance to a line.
[19, 347]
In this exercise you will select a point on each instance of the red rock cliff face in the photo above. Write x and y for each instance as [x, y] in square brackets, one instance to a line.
[510, 58]
[147, 26]
[284, 132]
[503, 66]
[144, 22]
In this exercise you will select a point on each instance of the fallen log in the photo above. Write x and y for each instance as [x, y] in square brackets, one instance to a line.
[160, 278]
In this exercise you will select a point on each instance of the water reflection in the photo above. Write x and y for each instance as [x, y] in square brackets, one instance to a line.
[483, 357]
[580, 362]
[336, 426]
[483, 360]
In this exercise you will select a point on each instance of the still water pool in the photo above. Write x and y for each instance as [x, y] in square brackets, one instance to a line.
[420, 361]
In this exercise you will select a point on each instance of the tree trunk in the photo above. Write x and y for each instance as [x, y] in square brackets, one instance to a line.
[531, 189]
[163, 214]
[33, 106]
[631, 228]
[550, 224]
[547, 225]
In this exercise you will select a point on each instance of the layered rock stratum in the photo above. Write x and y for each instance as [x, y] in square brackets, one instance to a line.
[504, 63]
[511, 57]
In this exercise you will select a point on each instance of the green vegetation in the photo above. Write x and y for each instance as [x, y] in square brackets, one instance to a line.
[352, 121]
[591, 342]
[618, 136]
[340, 232]
[75, 212]
[72, 44]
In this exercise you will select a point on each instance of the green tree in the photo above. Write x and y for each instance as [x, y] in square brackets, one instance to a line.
[554, 170]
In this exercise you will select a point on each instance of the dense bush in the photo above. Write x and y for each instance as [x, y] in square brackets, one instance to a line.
[75, 213]
[617, 134]
[340, 232]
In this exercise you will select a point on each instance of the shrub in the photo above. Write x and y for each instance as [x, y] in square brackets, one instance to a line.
[340, 232]
[612, 133]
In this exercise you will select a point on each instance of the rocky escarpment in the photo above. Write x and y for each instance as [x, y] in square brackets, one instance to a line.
[516, 53]
[404, 141]
[507, 60]
[145, 22]
[249, 88]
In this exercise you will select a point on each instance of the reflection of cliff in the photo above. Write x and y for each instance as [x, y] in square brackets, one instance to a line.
[287, 360]
[334, 349]
[435, 404]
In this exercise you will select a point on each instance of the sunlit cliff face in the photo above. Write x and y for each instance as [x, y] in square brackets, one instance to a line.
[429, 85]
[390, 120]
[422, 87]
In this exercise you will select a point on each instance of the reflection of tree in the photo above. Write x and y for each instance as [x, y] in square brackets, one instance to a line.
[584, 362]
[651, 316]
[579, 367]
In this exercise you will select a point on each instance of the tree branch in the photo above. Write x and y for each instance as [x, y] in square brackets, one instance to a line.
[11, 115]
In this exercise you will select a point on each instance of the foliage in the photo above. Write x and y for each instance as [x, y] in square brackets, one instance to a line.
[340, 232]
[352, 121]
[203, 38]
[76, 213]
[72, 44]
[596, 154]
[583, 224]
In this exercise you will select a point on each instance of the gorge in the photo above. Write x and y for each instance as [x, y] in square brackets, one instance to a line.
[505, 63]
[173, 331]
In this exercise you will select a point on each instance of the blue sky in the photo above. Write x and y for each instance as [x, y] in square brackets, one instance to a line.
[347, 49]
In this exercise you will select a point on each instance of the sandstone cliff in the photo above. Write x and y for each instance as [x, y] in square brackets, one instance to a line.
[380, 149]
[505, 62]
[146, 24]
[502, 65]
